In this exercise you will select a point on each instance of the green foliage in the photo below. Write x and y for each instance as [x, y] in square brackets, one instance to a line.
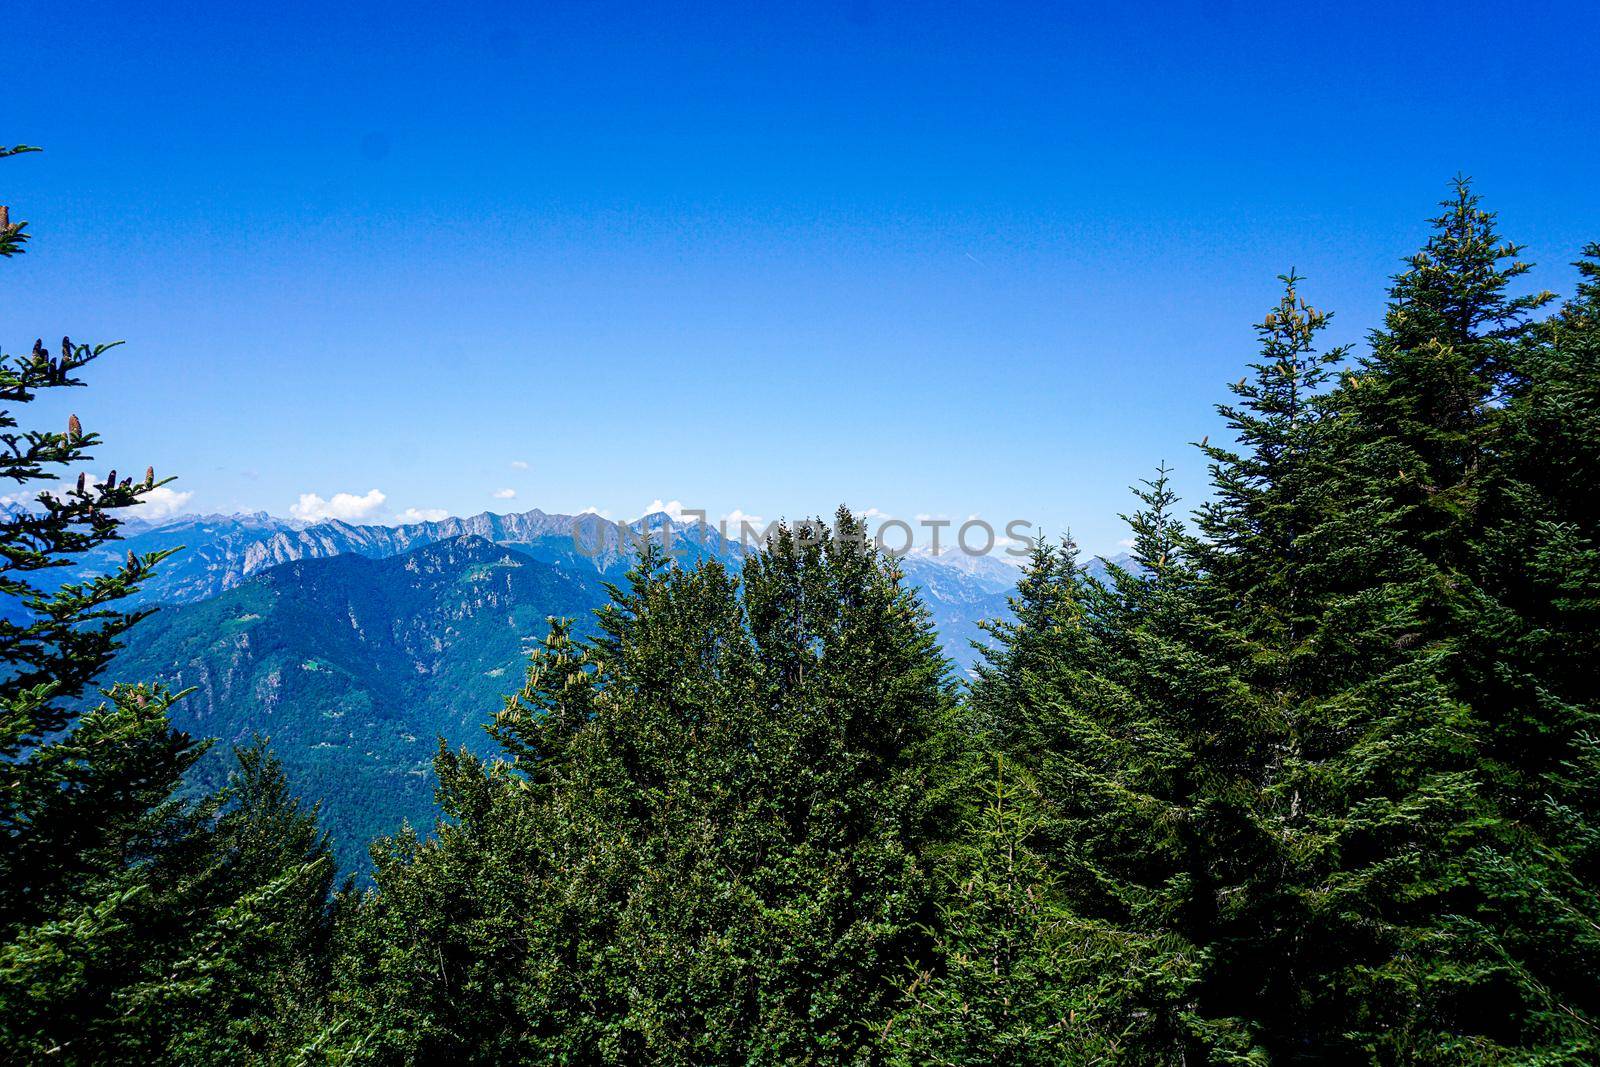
[1015, 976]
[707, 842]
[1453, 924]
[1340, 750]
[1317, 783]
[12, 235]
[202, 952]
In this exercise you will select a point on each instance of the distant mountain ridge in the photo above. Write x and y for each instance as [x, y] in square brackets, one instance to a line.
[221, 551]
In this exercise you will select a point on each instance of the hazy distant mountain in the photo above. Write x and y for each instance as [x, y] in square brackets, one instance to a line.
[355, 666]
[960, 590]
[996, 571]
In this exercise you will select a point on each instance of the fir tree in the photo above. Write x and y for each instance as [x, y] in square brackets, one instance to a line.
[1134, 727]
[1045, 611]
[1429, 896]
[1015, 976]
[1528, 627]
[707, 841]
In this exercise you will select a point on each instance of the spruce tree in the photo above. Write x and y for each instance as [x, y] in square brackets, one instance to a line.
[1046, 615]
[1268, 496]
[58, 802]
[1529, 628]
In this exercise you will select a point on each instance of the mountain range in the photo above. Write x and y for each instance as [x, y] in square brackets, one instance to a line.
[354, 648]
[221, 551]
[354, 667]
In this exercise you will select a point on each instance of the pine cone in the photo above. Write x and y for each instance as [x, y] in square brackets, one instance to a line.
[149, 477]
[74, 428]
[83, 480]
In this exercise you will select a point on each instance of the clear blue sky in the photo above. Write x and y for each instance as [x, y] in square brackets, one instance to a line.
[928, 259]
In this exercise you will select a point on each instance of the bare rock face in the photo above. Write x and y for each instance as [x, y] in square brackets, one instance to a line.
[220, 551]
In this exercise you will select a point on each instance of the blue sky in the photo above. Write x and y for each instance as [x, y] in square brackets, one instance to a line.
[929, 259]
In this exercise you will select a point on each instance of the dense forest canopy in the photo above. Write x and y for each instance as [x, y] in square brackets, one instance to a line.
[1314, 778]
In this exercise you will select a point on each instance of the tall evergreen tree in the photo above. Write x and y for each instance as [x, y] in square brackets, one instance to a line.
[707, 843]
[1415, 925]
[1045, 611]
[1126, 714]
[1267, 486]
[1414, 910]
[1528, 629]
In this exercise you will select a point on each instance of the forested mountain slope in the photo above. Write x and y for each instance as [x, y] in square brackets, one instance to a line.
[354, 666]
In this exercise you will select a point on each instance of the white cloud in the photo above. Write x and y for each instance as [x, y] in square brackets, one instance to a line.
[505, 494]
[421, 515]
[158, 504]
[672, 508]
[737, 517]
[1126, 542]
[592, 510]
[345, 506]
[519, 464]
[162, 502]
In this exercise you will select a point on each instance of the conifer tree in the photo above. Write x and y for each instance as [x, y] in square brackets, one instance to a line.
[1528, 629]
[56, 639]
[1015, 976]
[1436, 800]
[864, 752]
[1269, 494]
[1133, 726]
[1267, 485]
[1045, 631]
[706, 843]
[1416, 883]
